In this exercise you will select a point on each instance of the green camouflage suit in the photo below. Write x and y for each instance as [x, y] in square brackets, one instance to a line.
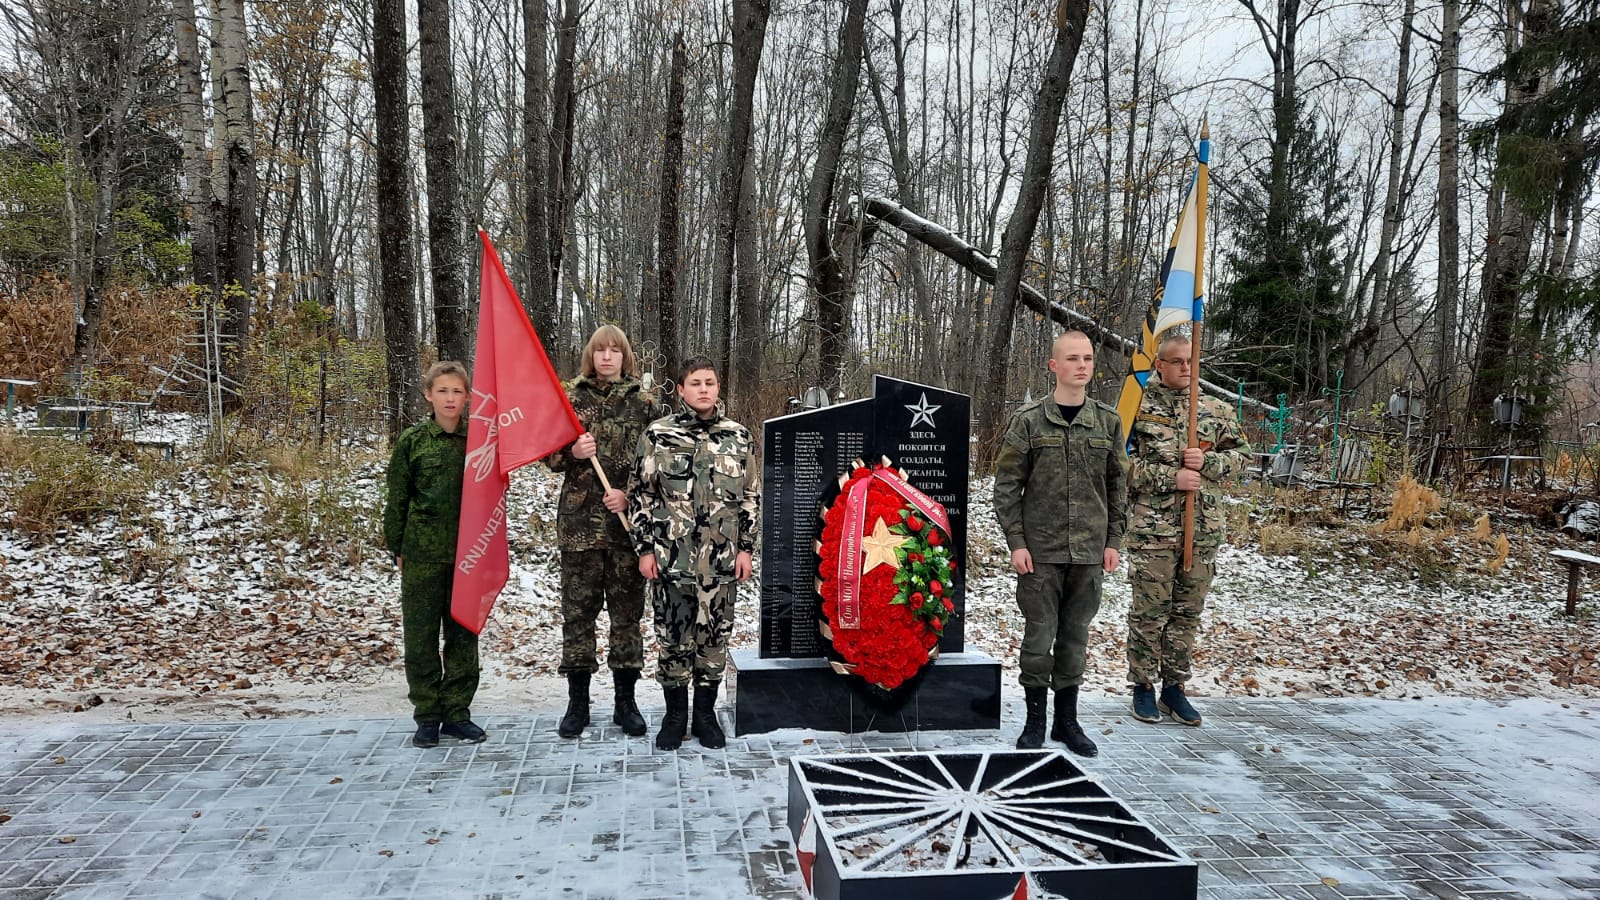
[695, 499]
[598, 565]
[1060, 492]
[421, 512]
[1164, 617]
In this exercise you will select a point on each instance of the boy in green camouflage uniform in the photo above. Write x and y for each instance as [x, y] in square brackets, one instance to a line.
[695, 501]
[1060, 492]
[421, 512]
[1164, 617]
[598, 565]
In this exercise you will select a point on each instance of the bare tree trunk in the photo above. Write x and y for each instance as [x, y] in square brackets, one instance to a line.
[749, 36]
[831, 277]
[1046, 117]
[667, 244]
[398, 283]
[198, 190]
[563, 102]
[540, 296]
[1510, 243]
[447, 251]
[237, 228]
[1380, 305]
[909, 191]
[752, 318]
[1448, 288]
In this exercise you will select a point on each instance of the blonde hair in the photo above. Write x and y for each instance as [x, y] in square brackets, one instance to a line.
[440, 369]
[609, 336]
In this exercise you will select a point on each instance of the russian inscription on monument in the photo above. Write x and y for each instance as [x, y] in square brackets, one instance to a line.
[923, 430]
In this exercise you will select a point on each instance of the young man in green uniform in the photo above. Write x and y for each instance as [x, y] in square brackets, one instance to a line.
[1060, 494]
[420, 518]
[599, 568]
[1164, 616]
[695, 498]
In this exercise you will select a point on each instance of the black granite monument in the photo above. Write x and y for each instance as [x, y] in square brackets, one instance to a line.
[925, 432]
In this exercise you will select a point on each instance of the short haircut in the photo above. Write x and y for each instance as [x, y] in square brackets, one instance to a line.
[441, 368]
[1171, 338]
[1070, 332]
[694, 364]
[609, 335]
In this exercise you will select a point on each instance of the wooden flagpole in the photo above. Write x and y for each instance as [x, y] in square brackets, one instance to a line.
[605, 483]
[1202, 186]
[1194, 435]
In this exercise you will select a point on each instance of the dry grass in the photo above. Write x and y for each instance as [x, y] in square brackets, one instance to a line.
[1411, 506]
[60, 482]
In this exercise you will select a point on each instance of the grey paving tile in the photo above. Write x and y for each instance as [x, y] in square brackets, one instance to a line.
[1382, 803]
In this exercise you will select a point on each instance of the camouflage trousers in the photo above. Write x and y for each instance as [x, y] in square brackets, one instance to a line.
[693, 622]
[1058, 602]
[1164, 617]
[592, 580]
[440, 685]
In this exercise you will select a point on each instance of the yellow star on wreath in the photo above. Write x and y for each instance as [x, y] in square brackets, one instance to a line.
[880, 546]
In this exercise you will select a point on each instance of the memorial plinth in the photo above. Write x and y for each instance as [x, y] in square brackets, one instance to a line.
[788, 683]
[929, 826]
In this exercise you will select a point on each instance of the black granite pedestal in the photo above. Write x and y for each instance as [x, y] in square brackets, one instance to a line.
[958, 691]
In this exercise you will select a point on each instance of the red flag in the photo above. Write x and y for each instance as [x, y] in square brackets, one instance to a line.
[519, 414]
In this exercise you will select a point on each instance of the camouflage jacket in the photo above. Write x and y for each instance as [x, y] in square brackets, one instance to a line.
[695, 496]
[1160, 432]
[422, 504]
[1060, 491]
[616, 413]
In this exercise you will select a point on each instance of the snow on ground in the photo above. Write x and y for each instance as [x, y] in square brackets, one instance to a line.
[259, 590]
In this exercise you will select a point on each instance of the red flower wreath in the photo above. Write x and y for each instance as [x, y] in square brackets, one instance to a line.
[903, 608]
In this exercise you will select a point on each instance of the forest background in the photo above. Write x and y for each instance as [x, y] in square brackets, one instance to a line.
[1401, 192]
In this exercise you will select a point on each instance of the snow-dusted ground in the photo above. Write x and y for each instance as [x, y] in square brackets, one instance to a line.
[248, 591]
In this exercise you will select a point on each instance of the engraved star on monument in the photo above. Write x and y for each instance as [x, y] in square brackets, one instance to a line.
[922, 411]
[880, 546]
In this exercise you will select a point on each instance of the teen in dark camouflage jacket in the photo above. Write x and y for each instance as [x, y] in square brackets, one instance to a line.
[1164, 615]
[421, 511]
[695, 499]
[598, 565]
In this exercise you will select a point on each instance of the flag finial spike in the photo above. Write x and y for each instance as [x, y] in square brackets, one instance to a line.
[1205, 126]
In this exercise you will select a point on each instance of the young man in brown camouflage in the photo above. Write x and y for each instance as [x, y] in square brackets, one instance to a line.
[1060, 492]
[695, 499]
[1164, 617]
[598, 566]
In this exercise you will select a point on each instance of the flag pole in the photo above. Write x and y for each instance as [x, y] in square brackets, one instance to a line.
[1202, 184]
[606, 483]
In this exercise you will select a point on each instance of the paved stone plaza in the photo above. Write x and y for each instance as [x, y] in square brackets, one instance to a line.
[1274, 798]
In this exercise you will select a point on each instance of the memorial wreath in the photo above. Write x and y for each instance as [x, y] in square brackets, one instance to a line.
[885, 574]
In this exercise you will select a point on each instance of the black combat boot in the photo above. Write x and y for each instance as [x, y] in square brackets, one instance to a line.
[705, 727]
[675, 724]
[577, 716]
[1032, 736]
[625, 712]
[1066, 730]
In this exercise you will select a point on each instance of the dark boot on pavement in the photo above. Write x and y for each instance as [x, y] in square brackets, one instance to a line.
[465, 731]
[1144, 703]
[1032, 736]
[675, 724]
[1066, 729]
[625, 712]
[576, 718]
[705, 727]
[1175, 703]
[427, 735]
